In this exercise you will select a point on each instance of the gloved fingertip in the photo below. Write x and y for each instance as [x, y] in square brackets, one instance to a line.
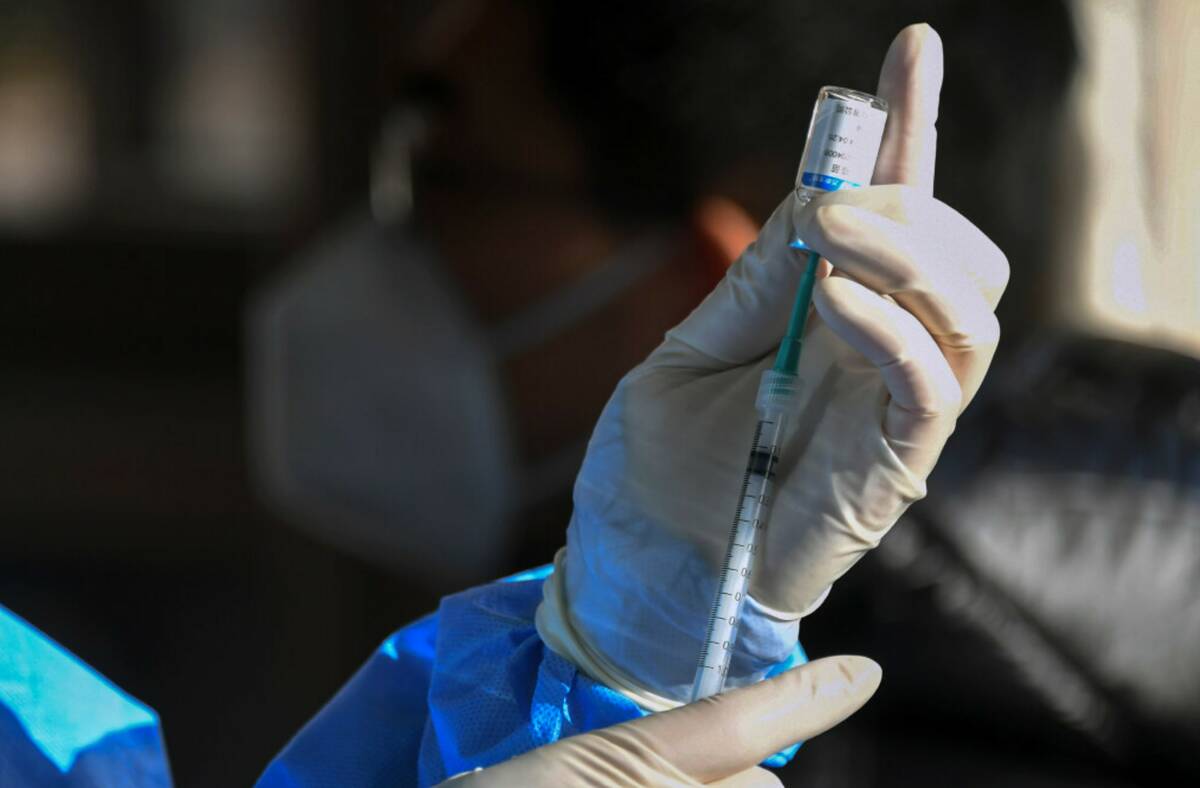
[918, 45]
[832, 688]
[863, 674]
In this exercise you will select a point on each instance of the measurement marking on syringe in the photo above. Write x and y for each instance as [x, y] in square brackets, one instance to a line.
[749, 522]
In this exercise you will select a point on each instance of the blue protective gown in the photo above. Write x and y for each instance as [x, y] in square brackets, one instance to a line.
[62, 725]
[470, 685]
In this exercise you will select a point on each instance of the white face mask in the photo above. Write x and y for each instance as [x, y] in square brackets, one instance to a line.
[378, 420]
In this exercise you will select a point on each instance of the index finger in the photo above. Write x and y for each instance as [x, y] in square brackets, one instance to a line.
[911, 83]
[728, 733]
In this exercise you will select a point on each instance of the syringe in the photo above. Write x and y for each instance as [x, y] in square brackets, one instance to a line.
[840, 152]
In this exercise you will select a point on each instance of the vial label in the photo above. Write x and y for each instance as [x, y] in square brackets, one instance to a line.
[843, 145]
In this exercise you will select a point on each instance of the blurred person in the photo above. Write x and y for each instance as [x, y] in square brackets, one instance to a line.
[610, 633]
[455, 314]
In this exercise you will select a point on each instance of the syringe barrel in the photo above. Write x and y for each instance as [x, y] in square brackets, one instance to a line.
[778, 395]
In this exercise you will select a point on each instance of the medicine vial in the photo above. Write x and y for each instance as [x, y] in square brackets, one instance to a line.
[842, 145]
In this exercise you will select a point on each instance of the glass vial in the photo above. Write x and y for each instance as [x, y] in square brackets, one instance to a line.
[842, 145]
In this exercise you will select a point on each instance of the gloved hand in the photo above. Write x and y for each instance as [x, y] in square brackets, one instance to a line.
[903, 335]
[716, 741]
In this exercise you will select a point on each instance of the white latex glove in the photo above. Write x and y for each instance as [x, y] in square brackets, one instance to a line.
[904, 333]
[716, 741]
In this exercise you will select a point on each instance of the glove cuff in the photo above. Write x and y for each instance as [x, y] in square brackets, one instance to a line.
[559, 633]
[644, 642]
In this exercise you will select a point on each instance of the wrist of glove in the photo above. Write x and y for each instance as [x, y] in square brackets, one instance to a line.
[632, 664]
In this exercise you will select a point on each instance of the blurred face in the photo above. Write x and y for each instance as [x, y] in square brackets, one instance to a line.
[502, 190]
[501, 183]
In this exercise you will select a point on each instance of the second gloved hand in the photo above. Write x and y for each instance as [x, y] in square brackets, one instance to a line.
[904, 333]
[716, 741]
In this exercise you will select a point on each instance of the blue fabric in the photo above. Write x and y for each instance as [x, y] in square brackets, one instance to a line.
[62, 725]
[471, 685]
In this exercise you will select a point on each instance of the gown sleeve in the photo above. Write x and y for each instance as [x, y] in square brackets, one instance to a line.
[63, 725]
[464, 688]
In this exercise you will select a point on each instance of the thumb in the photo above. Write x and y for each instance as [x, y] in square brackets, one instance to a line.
[746, 315]
[728, 733]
